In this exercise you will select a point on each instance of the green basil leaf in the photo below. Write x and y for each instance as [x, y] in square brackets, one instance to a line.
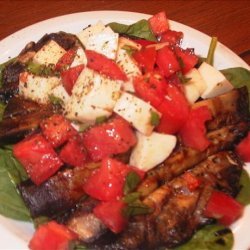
[132, 197]
[244, 195]
[136, 208]
[2, 108]
[211, 237]
[55, 100]
[2, 67]
[100, 119]
[11, 174]
[210, 54]
[41, 70]
[40, 221]
[155, 118]
[131, 182]
[76, 245]
[239, 77]
[140, 29]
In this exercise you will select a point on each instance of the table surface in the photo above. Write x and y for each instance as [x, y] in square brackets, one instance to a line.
[228, 20]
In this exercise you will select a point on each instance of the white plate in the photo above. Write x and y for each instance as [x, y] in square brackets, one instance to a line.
[15, 235]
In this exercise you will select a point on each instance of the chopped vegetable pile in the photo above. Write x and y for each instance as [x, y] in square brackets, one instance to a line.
[119, 126]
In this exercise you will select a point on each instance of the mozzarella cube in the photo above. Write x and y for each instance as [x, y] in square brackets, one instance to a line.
[60, 92]
[136, 111]
[80, 58]
[93, 95]
[196, 80]
[215, 81]
[100, 39]
[191, 92]
[37, 88]
[151, 150]
[50, 53]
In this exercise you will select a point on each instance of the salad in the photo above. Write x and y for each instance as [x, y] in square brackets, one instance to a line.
[128, 138]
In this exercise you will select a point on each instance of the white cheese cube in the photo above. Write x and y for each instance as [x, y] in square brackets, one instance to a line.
[191, 92]
[100, 39]
[60, 92]
[92, 30]
[136, 111]
[151, 150]
[93, 95]
[37, 88]
[80, 58]
[50, 53]
[215, 81]
[196, 80]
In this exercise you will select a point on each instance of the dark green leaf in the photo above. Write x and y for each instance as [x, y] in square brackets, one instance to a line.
[182, 78]
[2, 108]
[139, 29]
[155, 118]
[40, 220]
[11, 173]
[41, 70]
[76, 245]
[210, 54]
[244, 195]
[100, 119]
[239, 77]
[55, 100]
[131, 182]
[211, 237]
[132, 197]
[2, 67]
[136, 208]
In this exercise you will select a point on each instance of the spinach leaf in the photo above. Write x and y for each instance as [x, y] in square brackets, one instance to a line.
[2, 108]
[244, 195]
[11, 174]
[211, 237]
[2, 67]
[239, 77]
[139, 29]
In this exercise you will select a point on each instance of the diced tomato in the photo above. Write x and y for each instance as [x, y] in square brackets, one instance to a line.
[104, 65]
[65, 60]
[174, 110]
[192, 181]
[167, 61]
[143, 42]
[73, 153]
[113, 137]
[150, 88]
[37, 157]
[70, 76]
[172, 37]
[146, 58]
[111, 214]
[223, 208]
[193, 133]
[107, 182]
[159, 23]
[187, 57]
[57, 130]
[52, 236]
[243, 148]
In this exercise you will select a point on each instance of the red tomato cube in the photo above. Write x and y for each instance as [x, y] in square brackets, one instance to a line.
[172, 37]
[107, 182]
[104, 65]
[113, 137]
[73, 153]
[70, 76]
[167, 61]
[52, 236]
[159, 23]
[243, 148]
[65, 60]
[193, 133]
[37, 157]
[57, 130]
[111, 214]
[223, 208]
